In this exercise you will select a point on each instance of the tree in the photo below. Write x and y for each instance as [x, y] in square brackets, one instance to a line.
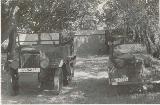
[52, 15]
[139, 20]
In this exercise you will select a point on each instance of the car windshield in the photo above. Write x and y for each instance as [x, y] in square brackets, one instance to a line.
[43, 38]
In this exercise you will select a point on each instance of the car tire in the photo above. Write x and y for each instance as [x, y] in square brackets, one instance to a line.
[66, 76]
[58, 80]
[12, 85]
[72, 71]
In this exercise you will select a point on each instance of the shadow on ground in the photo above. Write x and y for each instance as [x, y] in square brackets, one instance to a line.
[89, 86]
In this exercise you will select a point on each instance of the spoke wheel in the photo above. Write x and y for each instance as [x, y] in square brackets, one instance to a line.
[58, 80]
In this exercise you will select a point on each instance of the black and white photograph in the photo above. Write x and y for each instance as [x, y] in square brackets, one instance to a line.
[80, 52]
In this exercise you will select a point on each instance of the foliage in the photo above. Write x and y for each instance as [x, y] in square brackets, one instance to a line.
[137, 18]
[51, 15]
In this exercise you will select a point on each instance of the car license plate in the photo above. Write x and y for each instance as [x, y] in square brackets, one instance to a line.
[121, 79]
[29, 70]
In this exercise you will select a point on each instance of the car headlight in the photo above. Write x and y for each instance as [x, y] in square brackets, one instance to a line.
[44, 63]
[139, 61]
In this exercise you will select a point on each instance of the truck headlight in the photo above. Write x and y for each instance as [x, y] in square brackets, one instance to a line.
[44, 63]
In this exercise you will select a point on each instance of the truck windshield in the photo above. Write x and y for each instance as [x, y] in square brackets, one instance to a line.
[43, 38]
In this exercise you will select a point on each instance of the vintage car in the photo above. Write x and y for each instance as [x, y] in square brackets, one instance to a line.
[50, 55]
[130, 65]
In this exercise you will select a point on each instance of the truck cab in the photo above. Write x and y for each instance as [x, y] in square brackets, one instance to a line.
[50, 55]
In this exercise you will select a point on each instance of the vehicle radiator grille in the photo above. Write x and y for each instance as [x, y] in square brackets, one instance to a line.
[30, 61]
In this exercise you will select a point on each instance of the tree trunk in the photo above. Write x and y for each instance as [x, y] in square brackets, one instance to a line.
[159, 13]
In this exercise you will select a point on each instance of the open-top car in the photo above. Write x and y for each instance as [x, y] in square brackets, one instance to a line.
[50, 55]
[130, 65]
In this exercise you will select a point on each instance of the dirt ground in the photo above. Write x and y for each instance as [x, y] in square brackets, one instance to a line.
[89, 86]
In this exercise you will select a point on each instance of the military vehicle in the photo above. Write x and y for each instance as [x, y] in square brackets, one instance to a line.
[50, 55]
[130, 66]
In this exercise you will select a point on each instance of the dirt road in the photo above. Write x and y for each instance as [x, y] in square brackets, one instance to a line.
[89, 86]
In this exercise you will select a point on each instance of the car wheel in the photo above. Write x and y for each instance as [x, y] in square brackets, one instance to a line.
[72, 71]
[58, 80]
[67, 77]
[12, 85]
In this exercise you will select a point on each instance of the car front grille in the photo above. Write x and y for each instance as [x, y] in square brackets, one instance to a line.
[30, 60]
